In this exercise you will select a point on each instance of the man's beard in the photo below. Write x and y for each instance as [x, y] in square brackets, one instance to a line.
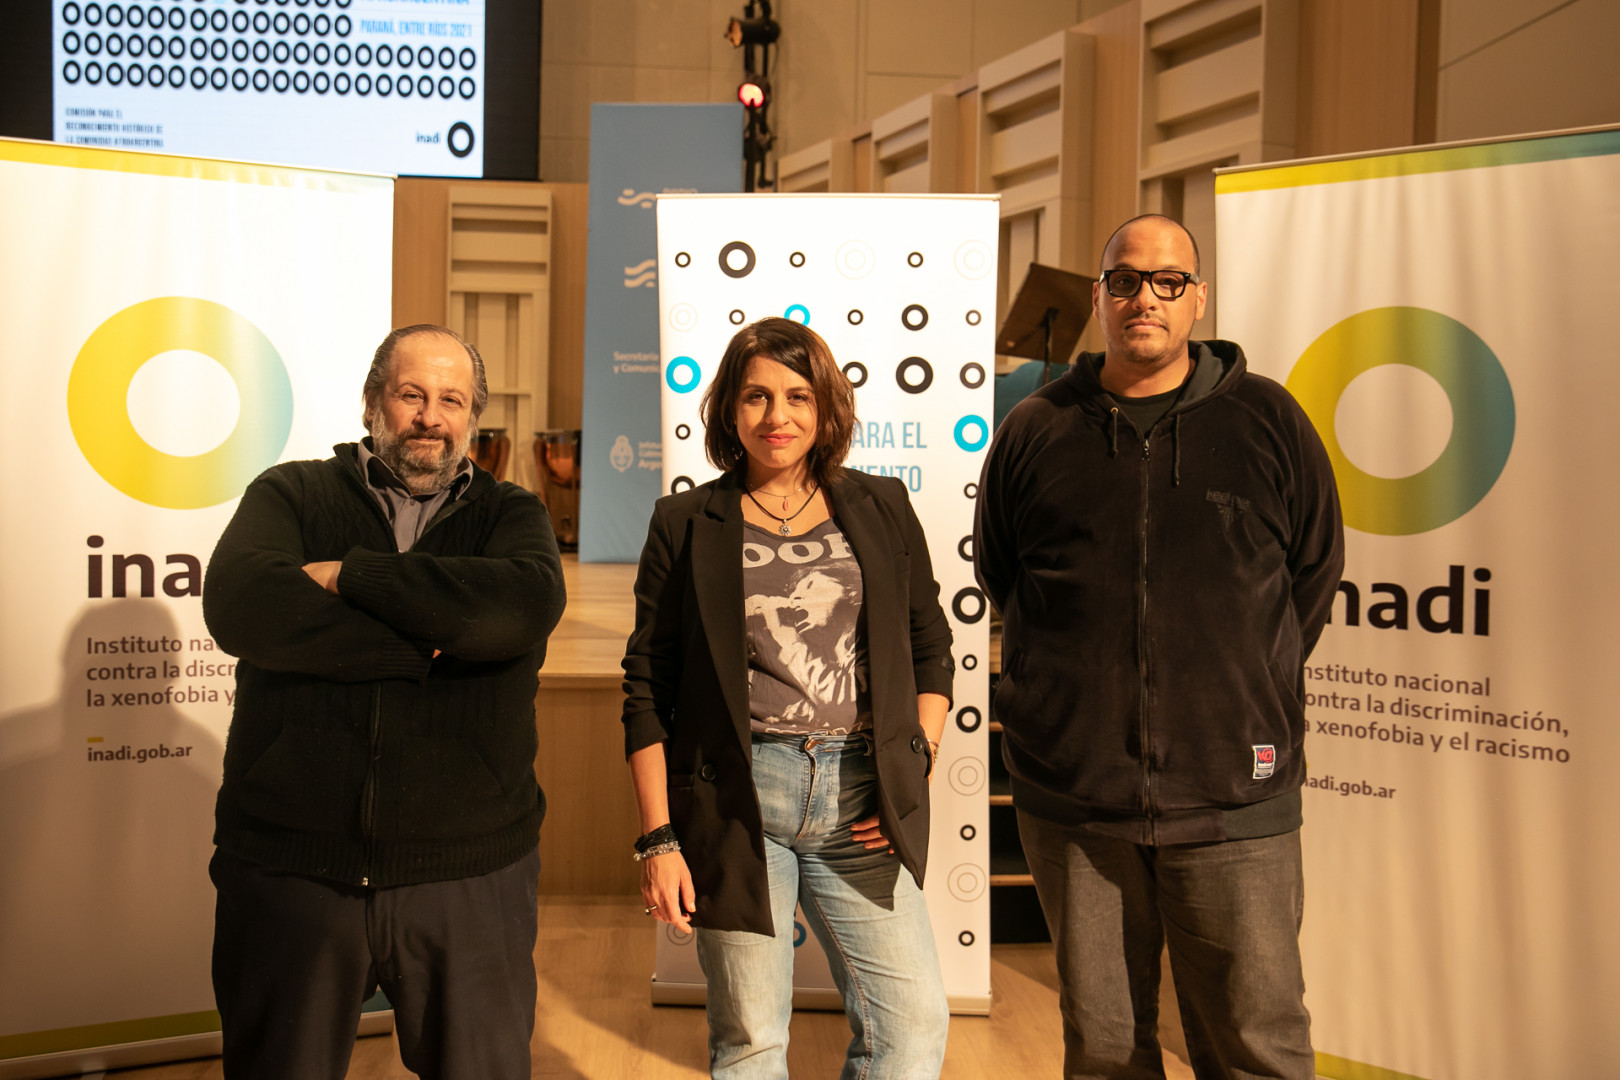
[410, 463]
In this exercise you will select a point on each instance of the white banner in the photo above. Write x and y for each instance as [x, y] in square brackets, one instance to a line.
[903, 289]
[1445, 317]
[176, 326]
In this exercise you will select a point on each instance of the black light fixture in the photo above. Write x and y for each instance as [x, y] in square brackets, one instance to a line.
[755, 30]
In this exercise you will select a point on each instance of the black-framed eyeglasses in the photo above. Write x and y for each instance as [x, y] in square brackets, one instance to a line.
[1122, 284]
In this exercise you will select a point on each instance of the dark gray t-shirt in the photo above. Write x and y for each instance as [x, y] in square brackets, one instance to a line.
[807, 661]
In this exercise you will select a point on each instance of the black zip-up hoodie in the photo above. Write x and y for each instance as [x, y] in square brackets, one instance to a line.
[1160, 593]
[354, 754]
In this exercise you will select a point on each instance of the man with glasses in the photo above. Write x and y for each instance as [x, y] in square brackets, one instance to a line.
[1161, 532]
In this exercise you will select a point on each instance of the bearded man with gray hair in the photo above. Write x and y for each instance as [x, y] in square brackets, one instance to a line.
[379, 818]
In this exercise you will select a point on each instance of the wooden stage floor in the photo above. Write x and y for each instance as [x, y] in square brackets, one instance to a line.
[595, 1019]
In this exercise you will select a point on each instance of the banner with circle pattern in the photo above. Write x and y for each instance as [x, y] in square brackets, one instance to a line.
[175, 326]
[1444, 316]
[903, 289]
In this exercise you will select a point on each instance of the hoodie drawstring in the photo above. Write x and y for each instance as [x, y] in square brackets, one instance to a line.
[1175, 455]
[1113, 431]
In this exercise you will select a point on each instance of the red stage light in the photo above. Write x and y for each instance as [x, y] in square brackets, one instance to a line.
[751, 95]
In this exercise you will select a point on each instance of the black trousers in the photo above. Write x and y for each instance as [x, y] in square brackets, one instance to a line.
[295, 958]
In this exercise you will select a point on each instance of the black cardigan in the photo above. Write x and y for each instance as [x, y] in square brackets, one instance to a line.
[354, 754]
[686, 679]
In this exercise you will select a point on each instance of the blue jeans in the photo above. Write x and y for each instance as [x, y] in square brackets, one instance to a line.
[863, 907]
[1230, 913]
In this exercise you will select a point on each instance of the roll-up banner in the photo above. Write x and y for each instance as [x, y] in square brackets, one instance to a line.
[903, 289]
[1446, 317]
[176, 325]
[637, 153]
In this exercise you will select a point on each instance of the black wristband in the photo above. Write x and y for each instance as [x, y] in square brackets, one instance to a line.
[664, 834]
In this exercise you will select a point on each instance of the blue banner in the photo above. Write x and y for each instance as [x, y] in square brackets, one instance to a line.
[637, 152]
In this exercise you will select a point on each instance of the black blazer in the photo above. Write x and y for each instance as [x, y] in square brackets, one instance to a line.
[686, 679]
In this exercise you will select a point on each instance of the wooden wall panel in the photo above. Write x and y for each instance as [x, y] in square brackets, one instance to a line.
[591, 824]
[569, 206]
[420, 252]
[421, 258]
[1118, 56]
[1358, 75]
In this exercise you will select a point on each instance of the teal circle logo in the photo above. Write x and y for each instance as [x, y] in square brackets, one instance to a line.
[676, 374]
[1481, 409]
[800, 310]
[979, 429]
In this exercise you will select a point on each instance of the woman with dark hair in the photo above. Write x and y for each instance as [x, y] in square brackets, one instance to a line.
[787, 683]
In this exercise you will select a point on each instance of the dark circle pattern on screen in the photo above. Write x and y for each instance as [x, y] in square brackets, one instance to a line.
[967, 832]
[680, 484]
[960, 602]
[965, 938]
[683, 259]
[968, 718]
[971, 490]
[219, 36]
[921, 384]
[914, 317]
[855, 317]
[736, 317]
[725, 259]
[914, 260]
[972, 375]
[683, 431]
[974, 318]
[964, 548]
[855, 372]
[71, 13]
[969, 662]
[796, 259]
[450, 138]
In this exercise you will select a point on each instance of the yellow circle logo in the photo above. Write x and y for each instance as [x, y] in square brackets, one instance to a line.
[98, 396]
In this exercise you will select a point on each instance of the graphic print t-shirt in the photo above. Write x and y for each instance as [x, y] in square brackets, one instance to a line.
[807, 667]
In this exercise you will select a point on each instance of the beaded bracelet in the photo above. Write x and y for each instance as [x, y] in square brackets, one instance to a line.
[657, 849]
[664, 834]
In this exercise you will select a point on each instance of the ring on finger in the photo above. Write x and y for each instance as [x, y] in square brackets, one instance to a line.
[649, 910]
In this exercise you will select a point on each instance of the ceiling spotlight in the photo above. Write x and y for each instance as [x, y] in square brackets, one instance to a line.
[742, 32]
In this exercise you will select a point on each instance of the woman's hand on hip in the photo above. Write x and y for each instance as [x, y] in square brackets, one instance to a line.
[666, 887]
[869, 834]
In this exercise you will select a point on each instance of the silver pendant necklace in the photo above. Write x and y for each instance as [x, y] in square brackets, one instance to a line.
[785, 529]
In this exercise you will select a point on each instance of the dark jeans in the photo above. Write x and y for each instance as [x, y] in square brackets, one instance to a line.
[1230, 913]
[294, 959]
